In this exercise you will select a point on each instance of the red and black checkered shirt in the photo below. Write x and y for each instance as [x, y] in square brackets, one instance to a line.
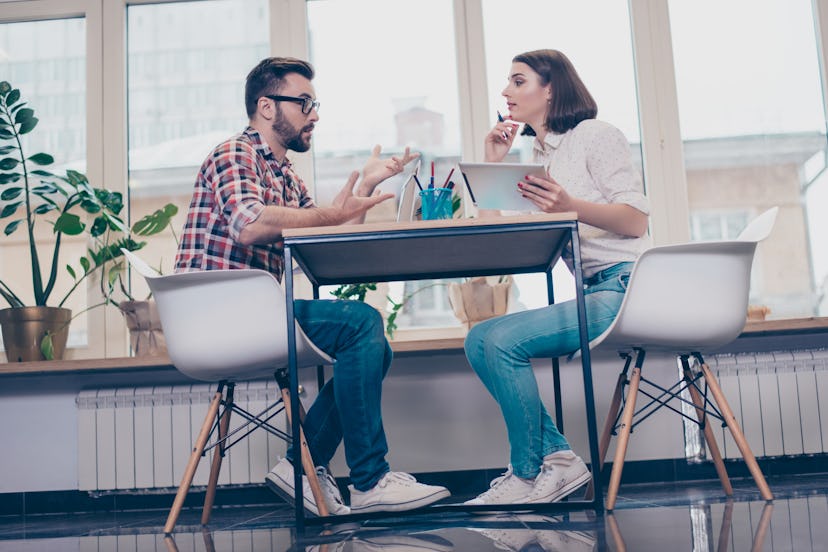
[236, 181]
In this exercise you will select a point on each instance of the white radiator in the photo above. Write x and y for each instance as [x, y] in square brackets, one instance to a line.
[779, 398]
[142, 437]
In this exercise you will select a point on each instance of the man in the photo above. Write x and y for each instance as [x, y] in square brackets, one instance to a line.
[246, 193]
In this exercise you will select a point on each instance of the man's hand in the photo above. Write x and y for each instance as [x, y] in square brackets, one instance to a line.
[355, 206]
[377, 169]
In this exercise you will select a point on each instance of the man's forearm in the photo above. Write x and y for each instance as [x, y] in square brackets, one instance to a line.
[274, 219]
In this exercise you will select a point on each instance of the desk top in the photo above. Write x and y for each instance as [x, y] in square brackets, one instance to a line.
[382, 252]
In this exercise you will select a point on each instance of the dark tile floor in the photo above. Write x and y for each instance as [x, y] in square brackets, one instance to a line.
[689, 517]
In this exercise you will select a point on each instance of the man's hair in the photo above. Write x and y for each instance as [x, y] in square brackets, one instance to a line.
[571, 101]
[267, 78]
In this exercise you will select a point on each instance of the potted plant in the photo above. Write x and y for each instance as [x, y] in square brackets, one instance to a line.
[35, 326]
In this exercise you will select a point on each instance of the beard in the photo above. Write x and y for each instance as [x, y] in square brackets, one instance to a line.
[291, 138]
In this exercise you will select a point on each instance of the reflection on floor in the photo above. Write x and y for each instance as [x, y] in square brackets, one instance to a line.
[688, 517]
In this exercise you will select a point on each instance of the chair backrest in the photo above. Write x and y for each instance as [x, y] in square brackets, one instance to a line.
[225, 324]
[688, 297]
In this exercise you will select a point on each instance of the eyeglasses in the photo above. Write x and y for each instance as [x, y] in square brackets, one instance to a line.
[307, 103]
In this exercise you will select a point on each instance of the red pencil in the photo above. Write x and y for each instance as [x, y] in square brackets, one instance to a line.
[431, 182]
[448, 177]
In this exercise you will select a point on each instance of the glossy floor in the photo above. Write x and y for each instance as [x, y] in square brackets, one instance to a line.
[688, 517]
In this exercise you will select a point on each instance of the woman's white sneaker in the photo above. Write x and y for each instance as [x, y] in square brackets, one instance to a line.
[395, 492]
[506, 489]
[561, 474]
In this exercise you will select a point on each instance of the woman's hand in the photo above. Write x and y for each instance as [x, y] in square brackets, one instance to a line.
[548, 195]
[377, 169]
[499, 140]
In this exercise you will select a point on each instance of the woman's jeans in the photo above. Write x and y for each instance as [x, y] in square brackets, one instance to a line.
[499, 351]
[349, 404]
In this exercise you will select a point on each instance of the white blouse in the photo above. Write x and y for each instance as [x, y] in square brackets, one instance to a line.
[592, 162]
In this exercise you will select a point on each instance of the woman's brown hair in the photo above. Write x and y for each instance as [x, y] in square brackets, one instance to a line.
[571, 101]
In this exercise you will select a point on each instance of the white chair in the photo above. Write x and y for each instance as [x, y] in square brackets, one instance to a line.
[225, 326]
[686, 300]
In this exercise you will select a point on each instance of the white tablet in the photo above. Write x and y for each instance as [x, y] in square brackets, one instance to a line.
[494, 185]
[409, 198]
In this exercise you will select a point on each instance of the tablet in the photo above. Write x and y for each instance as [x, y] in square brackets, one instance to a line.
[494, 185]
[409, 198]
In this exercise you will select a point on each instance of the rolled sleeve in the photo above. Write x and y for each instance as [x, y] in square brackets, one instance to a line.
[238, 195]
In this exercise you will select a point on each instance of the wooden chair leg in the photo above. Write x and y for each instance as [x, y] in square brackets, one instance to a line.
[623, 438]
[736, 431]
[762, 528]
[307, 460]
[218, 456]
[724, 531]
[615, 533]
[189, 473]
[709, 437]
[606, 435]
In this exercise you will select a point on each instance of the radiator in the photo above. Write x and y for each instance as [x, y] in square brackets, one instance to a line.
[142, 437]
[779, 398]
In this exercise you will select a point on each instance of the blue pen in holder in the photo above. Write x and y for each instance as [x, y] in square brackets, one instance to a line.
[436, 203]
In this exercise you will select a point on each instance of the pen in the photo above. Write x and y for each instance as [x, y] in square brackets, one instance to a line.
[417, 180]
[450, 185]
[451, 172]
[471, 194]
[500, 120]
[431, 182]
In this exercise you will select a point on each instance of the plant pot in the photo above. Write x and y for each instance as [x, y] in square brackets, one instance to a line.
[25, 327]
[145, 334]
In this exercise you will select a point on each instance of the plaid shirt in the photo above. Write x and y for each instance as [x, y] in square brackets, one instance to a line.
[235, 183]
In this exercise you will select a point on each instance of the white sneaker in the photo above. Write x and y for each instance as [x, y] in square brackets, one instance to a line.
[571, 541]
[513, 540]
[395, 492]
[280, 481]
[506, 489]
[561, 474]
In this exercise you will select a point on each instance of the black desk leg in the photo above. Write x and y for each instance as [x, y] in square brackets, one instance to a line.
[320, 370]
[586, 366]
[294, 394]
[556, 365]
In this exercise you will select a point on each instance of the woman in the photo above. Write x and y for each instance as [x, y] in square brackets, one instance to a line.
[588, 171]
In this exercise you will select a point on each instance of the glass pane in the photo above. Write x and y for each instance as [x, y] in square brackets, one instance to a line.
[46, 61]
[187, 67]
[600, 48]
[393, 85]
[753, 129]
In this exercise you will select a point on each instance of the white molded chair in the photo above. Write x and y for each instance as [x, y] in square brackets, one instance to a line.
[685, 299]
[225, 326]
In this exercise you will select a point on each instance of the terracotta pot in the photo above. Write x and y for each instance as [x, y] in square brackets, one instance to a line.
[145, 334]
[25, 327]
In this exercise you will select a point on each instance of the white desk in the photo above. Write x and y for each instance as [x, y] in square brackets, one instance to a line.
[382, 252]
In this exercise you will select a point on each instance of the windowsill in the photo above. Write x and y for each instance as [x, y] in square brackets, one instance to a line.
[431, 340]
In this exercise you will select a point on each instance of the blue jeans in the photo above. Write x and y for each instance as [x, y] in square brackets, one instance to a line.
[348, 406]
[499, 350]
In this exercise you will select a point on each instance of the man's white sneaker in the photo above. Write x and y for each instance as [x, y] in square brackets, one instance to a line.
[395, 492]
[280, 481]
[561, 474]
[506, 489]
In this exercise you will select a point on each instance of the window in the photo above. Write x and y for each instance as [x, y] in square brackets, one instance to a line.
[753, 130]
[187, 64]
[46, 61]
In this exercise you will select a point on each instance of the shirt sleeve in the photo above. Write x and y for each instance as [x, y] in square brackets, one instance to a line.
[608, 161]
[238, 193]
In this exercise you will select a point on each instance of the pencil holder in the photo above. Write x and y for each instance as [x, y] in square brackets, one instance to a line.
[436, 203]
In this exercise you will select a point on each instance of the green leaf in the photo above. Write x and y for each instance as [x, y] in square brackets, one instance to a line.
[44, 189]
[13, 96]
[39, 172]
[85, 264]
[6, 178]
[23, 115]
[47, 348]
[99, 226]
[42, 159]
[90, 206]
[28, 125]
[12, 226]
[71, 272]
[155, 222]
[6, 134]
[9, 209]
[44, 208]
[5, 87]
[10, 193]
[8, 163]
[69, 224]
[7, 149]
[112, 201]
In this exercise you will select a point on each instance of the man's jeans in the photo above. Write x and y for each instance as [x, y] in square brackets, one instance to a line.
[499, 351]
[349, 405]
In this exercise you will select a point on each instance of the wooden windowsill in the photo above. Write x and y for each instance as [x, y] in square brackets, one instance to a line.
[414, 341]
